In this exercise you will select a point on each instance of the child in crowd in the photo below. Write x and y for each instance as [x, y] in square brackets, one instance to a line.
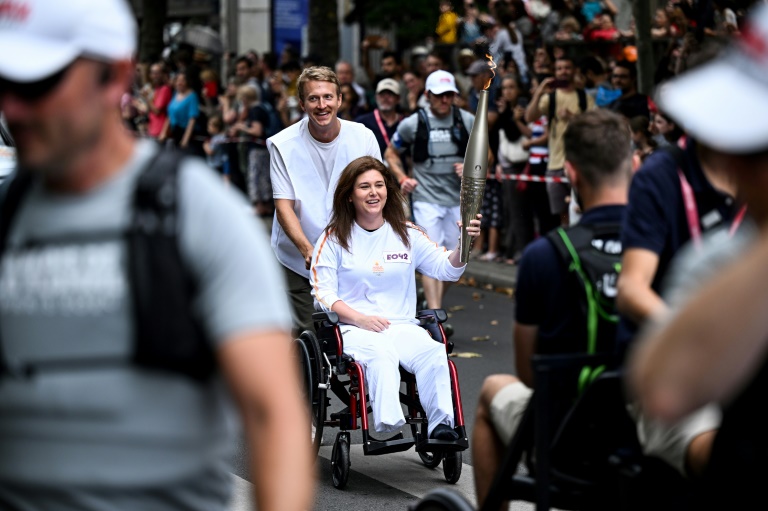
[215, 147]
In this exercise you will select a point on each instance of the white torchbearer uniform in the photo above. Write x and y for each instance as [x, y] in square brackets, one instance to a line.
[376, 278]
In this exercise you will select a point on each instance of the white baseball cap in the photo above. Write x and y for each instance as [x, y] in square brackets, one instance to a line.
[440, 82]
[724, 103]
[42, 37]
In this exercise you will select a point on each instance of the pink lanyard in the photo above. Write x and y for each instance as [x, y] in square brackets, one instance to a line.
[692, 212]
[381, 125]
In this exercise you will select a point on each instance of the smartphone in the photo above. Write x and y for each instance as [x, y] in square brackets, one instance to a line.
[523, 102]
[560, 84]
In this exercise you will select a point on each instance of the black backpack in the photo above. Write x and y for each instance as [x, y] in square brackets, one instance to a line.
[459, 136]
[168, 336]
[593, 252]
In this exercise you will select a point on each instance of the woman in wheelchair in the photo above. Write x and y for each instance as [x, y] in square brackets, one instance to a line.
[363, 269]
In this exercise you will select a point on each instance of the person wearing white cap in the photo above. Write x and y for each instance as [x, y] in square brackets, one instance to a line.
[437, 140]
[94, 413]
[710, 350]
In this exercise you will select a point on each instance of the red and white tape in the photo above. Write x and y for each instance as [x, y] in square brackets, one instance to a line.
[530, 178]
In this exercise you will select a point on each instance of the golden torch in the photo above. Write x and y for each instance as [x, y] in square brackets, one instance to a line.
[475, 167]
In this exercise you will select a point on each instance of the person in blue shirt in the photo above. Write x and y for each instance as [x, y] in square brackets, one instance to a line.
[548, 316]
[183, 113]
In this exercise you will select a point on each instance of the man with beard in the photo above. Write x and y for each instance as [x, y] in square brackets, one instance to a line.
[631, 103]
[118, 379]
[384, 119]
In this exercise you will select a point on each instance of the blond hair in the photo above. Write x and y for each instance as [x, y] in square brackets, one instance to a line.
[317, 74]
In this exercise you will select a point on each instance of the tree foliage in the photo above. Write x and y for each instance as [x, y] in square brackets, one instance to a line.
[413, 20]
[324, 30]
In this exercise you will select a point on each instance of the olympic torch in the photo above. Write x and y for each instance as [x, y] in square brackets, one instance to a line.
[475, 168]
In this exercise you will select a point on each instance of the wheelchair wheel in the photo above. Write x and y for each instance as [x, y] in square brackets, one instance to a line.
[442, 499]
[340, 460]
[431, 459]
[311, 367]
[452, 463]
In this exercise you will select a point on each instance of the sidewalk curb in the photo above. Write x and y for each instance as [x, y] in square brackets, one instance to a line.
[495, 274]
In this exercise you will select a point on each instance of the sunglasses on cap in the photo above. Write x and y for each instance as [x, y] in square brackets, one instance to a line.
[32, 91]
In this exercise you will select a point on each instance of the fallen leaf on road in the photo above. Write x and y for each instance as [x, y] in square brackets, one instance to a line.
[506, 290]
[471, 281]
[489, 287]
[449, 315]
[476, 296]
[465, 354]
[494, 322]
[456, 308]
[481, 338]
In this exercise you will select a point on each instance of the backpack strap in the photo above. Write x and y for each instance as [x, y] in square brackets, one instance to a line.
[167, 336]
[552, 107]
[582, 99]
[569, 243]
[14, 193]
[459, 132]
[421, 140]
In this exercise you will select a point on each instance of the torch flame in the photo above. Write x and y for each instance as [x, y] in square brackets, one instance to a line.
[492, 65]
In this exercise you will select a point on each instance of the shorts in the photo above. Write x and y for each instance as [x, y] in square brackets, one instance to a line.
[507, 408]
[557, 192]
[669, 442]
[439, 222]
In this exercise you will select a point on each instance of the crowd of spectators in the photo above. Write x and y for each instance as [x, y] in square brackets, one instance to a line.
[183, 101]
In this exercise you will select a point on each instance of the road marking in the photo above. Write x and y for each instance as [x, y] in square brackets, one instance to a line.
[405, 472]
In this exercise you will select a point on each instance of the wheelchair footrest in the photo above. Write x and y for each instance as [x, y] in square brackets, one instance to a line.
[431, 445]
[373, 447]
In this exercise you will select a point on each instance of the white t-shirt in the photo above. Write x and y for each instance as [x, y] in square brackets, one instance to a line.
[376, 276]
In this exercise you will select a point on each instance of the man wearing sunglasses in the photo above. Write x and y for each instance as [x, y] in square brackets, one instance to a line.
[86, 423]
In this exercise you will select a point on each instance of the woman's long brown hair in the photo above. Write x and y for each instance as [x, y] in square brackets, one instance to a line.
[343, 214]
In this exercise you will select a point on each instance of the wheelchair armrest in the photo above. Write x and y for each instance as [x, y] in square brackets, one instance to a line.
[428, 315]
[327, 318]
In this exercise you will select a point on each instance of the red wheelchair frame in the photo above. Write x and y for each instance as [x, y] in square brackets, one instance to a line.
[324, 362]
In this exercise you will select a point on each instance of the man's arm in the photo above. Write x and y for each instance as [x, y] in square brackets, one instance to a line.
[288, 220]
[709, 350]
[635, 298]
[532, 112]
[392, 157]
[274, 417]
[525, 346]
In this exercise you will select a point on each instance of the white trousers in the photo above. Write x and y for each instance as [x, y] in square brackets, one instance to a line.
[380, 354]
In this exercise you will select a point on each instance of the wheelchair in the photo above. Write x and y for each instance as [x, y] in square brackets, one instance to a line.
[588, 458]
[326, 368]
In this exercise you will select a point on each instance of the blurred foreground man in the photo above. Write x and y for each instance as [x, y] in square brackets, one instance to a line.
[130, 315]
[714, 348]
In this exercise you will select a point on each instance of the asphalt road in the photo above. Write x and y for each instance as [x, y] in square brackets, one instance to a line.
[482, 321]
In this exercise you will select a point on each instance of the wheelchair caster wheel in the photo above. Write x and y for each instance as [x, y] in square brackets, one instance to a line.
[452, 467]
[340, 460]
[431, 459]
[442, 499]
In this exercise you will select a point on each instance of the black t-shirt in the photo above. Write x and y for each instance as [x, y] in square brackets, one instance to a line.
[549, 296]
[369, 121]
[258, 114]
[632, 106]
[738, 467]
[656, 218]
